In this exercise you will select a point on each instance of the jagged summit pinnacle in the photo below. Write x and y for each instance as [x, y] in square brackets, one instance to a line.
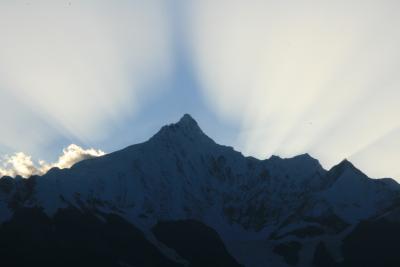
[187, 121]
[185, 127]
[186, 124]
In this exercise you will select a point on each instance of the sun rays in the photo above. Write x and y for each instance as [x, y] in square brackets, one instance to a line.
[304, 76]
[292, 76]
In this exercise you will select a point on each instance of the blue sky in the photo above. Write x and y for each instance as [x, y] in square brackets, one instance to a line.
[266, 77]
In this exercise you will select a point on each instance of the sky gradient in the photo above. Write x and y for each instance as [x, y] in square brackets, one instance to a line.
[267, 77]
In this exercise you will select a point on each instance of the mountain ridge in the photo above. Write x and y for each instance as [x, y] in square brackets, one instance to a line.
[181, 174]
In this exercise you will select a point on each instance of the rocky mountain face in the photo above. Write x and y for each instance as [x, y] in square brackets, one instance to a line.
[180, 199]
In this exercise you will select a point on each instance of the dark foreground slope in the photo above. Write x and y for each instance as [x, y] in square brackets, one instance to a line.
[75, 238]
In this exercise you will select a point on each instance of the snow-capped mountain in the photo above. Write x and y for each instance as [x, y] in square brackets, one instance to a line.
[181, 199]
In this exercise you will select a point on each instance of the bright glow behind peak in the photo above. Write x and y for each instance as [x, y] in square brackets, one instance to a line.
[302, 76]
[288, 76]
[82, 65]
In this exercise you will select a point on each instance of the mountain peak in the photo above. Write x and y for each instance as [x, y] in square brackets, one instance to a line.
[186, 127]
[187, 121]
[344, 166]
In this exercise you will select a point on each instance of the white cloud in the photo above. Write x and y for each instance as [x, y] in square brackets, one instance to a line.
[301, 76]
[71, 155]
[21, 164]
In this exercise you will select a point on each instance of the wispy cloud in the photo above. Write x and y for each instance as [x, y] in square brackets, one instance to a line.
[22, 164]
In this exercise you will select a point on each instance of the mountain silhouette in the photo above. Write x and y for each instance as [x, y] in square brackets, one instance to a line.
[180, 199]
